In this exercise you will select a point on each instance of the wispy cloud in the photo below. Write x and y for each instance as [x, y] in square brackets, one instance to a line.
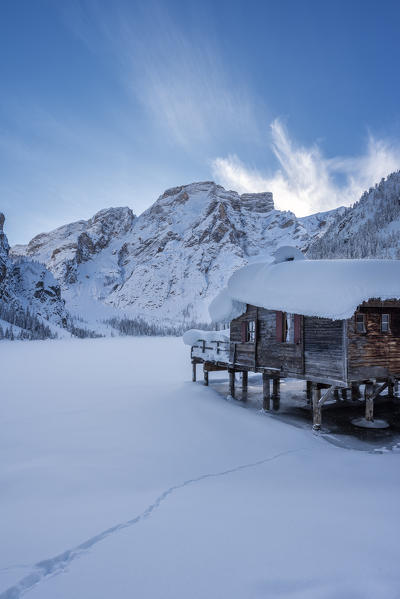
[176, 76]
[306, 181]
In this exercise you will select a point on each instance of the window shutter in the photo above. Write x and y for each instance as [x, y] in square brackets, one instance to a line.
[279, 326]
[297, 328]
[243, 331]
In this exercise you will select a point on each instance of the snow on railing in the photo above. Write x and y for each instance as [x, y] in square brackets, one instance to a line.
[211, 351]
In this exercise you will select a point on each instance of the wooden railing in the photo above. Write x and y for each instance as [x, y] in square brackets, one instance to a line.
[211, 351]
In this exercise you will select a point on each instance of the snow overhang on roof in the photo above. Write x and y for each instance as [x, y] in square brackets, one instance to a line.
[324, 288]
[224, 307]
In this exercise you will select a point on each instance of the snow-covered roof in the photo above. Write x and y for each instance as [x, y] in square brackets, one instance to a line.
[324, 288]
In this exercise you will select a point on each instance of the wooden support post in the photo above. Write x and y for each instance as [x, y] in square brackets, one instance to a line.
[336, 394]
[205, 376]
[369, 401]
[309, 391]
[193, 372]
[344, 394]
[355, 391]
[276, 398]
[391, 389]
[245, 379]
[396, 388]
[266, 392]
[317, 409]
[232, 383]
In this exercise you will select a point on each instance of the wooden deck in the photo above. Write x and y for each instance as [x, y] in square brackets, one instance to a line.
[236, 357]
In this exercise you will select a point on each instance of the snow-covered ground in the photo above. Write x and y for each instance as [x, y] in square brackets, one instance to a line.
[121, 478]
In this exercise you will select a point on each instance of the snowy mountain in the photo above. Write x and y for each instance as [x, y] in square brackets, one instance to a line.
[368, 229]
[167, 264]
[29, 293]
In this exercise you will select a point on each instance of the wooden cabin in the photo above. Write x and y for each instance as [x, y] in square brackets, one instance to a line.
[332, 354]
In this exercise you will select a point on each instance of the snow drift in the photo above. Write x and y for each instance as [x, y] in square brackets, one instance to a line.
[193, 335]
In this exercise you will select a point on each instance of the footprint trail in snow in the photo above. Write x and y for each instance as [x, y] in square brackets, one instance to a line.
[56, 565]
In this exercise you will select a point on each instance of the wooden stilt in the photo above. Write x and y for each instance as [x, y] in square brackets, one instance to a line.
[355, 392]
[369, 401]
[266, 392]
[396, 388]
[317, 410]
[309, 391]
[193, 372]
[245, 379]
[205, 377]
[276, 398]
[344, 394]
[391, 389]
[232, 383]
[336, 394]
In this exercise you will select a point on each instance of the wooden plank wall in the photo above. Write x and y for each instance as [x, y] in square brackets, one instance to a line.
[323, 348]
[267, 352]
[275, 354]
[244, 352]
[375, 354]
[329, 349]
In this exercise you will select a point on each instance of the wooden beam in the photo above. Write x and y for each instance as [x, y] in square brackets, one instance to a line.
[266, 391]
[232, 383]
[245, 380]
[355, 392]
[205, 372]
[213, 367]
[309, 391]
[327, 395]
[377, 390]
[369, 401]
[317, 412]
[276, 398]
[193, 372]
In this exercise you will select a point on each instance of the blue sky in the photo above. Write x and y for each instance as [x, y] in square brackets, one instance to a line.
[109, 103]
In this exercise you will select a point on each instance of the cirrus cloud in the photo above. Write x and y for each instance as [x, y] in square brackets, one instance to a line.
[306, 181]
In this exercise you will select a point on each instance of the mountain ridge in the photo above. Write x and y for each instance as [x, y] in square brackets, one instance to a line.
[168, 263]
[30, 296]
[370, 228]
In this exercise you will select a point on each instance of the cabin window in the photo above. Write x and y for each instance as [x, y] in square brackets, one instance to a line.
[251, 331]
[360, 323]
[385, 323]
[288, 327]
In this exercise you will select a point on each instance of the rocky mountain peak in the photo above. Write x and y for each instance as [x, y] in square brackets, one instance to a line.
[28, 285]
[112, 221]
[169, 262]
[258, 202]
[101, 229]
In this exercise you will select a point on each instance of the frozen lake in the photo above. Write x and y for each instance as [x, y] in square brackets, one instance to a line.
[119, 477]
